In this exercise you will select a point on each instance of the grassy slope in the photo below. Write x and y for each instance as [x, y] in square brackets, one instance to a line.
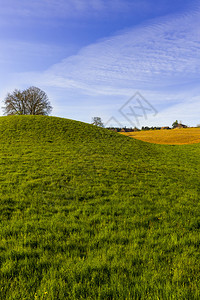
[90, 214]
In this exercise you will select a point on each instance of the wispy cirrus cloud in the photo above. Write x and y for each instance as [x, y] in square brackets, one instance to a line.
[157, 55]
[160, 58]
[79, 8]
[70, 8]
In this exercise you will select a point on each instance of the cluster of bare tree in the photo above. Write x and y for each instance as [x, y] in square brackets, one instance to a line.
[31, 101]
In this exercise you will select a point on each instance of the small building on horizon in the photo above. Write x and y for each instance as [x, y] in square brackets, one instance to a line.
[165, 127]
[180, 125]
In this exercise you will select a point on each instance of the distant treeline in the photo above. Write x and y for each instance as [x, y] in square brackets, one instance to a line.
[124, 129]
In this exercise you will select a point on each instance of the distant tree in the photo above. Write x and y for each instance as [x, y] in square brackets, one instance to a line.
[31, 101]
[97, 121]
[145, 128]
[175, 124]
[198, 125]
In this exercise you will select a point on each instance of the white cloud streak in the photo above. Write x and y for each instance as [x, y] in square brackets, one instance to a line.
[69, 8]
[160, 59]
[154, 56]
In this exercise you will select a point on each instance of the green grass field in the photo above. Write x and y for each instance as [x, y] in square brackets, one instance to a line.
[90, 214]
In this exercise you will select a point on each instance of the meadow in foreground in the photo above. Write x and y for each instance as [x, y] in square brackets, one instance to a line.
[90, 214]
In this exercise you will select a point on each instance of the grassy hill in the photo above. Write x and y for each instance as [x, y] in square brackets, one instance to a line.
[90, 214]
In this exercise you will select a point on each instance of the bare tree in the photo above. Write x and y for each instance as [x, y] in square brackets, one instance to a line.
[31, 101]
[97, 121]
[175, 124]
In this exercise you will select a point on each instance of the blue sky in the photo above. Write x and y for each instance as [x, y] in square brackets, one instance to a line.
[92, 56]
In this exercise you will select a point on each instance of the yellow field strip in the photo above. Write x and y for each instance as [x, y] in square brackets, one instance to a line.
[171, 137]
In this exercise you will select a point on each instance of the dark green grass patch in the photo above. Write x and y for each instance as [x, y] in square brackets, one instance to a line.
[90, 214]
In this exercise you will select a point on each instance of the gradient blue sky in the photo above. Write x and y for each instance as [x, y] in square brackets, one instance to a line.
[92, 56]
